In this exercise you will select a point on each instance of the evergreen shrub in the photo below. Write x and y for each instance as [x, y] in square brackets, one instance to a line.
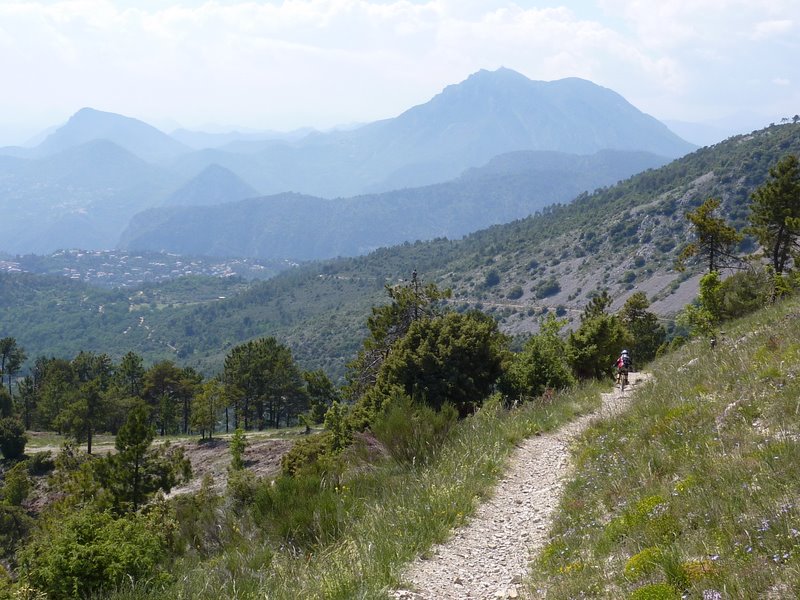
[12, 438]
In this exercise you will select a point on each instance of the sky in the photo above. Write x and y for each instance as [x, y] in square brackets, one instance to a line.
[286, 64]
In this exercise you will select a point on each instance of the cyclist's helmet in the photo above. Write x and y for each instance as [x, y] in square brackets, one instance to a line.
[624, 351]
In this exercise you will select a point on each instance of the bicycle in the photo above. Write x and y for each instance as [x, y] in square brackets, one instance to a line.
[622, 379]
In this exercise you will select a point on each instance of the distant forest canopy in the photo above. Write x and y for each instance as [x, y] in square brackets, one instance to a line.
[422, 367]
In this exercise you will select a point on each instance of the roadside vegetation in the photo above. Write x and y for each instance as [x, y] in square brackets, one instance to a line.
[349, 534]
[693, 492]
[419, 441]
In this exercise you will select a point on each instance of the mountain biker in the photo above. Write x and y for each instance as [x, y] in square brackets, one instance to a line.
[624, 366]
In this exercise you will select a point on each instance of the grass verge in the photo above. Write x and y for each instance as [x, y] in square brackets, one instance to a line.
[693, 492]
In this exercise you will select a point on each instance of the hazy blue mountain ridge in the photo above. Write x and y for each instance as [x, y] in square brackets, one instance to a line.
[233, 140]
[305, 227]
[80, 186]
[213, 185]
[139, 138]
[80, 197]
[490, 113]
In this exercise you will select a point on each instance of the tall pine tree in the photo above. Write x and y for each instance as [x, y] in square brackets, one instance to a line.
[775, 213]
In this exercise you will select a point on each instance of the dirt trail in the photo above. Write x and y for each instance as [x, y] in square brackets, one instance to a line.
[488, 558]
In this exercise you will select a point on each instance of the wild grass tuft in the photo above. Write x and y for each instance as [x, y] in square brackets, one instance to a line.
[693, 492]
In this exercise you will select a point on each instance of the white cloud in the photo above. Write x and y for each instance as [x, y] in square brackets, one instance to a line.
[770, 29]
[287, 63]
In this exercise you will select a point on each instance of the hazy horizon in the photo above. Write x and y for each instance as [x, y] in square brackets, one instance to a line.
[284, 65]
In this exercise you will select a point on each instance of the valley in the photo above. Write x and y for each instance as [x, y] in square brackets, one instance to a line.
[339, 364]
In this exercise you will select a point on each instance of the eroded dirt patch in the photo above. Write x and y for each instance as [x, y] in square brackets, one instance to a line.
[262, 457]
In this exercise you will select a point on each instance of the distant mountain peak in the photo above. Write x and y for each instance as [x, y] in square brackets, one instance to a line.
[489, 80]
[497, 74]
[215, 184]
[137, 137]
[88, 110]
[92, 115]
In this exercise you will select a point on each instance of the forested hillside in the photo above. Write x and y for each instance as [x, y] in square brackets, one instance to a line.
[342, 521]
[624, 238]
[510, 186]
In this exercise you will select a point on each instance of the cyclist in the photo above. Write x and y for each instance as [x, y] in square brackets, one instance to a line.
[624, 366]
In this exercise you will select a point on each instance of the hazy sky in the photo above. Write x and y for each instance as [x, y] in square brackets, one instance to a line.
[283, 64]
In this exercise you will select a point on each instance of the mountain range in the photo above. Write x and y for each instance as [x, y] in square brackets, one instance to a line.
[511, 186]
[84, 182]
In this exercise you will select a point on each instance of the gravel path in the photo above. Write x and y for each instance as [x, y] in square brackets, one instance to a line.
[488, 558]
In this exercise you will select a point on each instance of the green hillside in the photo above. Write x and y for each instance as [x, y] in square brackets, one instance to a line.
[623, 238]
[694, 490]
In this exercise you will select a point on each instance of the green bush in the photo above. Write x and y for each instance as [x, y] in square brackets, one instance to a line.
[744, 292]
[40, 463]
[198, 517]
[81, 553]
[241, 486]
[548, 287]
[643, 563]
[515, 293]
[6, 403]
[594, 345]
[17, 484]
[237, 448]
[12, 438]
[6, 591]
[454, 359]
[305, 453]
[412, 432]
[649, 519]
[492, 279]
[14, 526]
[542, 364]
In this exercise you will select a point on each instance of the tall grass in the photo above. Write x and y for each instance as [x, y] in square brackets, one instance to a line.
[364, 527]
[695, 491]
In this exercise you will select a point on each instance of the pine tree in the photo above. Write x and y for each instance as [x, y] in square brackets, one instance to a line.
[715, 240]
[206, 406]
[387, 325]
[136, 471]
[775, 213]
[647, 333]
